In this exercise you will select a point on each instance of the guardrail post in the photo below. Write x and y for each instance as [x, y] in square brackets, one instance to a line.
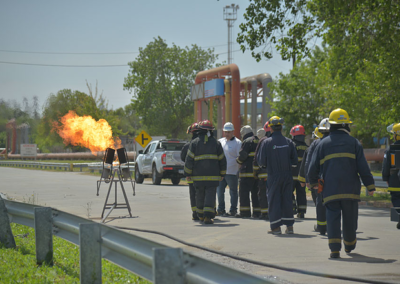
[6, 236]
[44, 235]
[168, 266]
[90, 253]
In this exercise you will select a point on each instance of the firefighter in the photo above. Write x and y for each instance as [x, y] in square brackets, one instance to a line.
[278, 155]
[391, 171]
[261, 174]
[336, 166]
[231, 146]
[322, 131]
[298, 137]
[205, 165]
[247, 183]
[193, 129]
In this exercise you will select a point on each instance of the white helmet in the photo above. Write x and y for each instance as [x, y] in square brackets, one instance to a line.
[228, 126]
[324, 125]
[260, 132]
[245, 130]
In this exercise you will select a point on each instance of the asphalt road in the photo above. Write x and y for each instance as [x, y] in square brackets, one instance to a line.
[166, 209]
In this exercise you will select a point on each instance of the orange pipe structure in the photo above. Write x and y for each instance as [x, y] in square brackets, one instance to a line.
[220, 72]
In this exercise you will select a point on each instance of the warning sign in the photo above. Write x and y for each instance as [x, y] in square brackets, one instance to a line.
[143, 139]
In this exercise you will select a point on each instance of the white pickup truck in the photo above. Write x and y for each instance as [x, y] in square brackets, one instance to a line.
[160, 159]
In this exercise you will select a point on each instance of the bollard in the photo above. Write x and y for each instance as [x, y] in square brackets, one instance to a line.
[90, 253]
[6, 236]
[44, 235]
[168, 266]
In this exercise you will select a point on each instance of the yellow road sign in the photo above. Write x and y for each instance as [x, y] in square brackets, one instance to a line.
[143, 139]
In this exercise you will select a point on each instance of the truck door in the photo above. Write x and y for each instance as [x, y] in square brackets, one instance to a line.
[148, 158]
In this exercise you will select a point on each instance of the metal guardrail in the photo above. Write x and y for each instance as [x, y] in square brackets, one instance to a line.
[143, 257]
[66, 166]
[39, 165]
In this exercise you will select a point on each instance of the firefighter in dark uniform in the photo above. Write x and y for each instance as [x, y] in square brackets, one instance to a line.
[323, 130]
[192, 191]
[298, 137]
[262, 175]
[247, 182]
[391, 171]
[205, 165]
[278, 154]
[336, 166]
[316, 135]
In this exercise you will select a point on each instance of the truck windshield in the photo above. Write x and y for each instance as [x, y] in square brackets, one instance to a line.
[171, 146]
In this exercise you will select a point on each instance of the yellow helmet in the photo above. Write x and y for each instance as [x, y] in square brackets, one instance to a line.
[275, 120]
[317, 134]
[339, 116]
[396, 130]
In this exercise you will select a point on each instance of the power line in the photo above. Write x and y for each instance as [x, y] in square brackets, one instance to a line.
[83, 66]
[55, 65]
[85, 53]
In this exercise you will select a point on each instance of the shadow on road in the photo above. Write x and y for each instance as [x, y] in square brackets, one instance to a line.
[356, 257]
[296, 236]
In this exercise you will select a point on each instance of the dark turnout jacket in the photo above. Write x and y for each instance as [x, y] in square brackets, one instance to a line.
[205, 161]
[246, 155]
[278, 154]
[301, 147]
[339, 160]
[389, 172]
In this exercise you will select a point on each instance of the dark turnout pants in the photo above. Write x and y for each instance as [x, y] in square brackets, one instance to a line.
[279, 192]
[301, 197]
[262, 195]
[192, 195]
[321, 213]
[346, 210]
[248, 186]
[205, 201]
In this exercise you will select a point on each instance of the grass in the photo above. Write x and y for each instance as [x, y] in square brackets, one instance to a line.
[19, 265]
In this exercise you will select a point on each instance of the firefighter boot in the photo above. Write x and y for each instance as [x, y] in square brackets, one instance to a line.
[208, 220]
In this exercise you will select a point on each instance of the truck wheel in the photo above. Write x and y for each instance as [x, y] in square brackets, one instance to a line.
[175, 180]
[155, 176]
[138, 177]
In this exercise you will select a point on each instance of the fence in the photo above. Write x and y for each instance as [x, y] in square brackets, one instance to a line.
[66, 166]
[148, 259]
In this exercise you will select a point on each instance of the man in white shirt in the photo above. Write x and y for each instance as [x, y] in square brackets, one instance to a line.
[231, 146]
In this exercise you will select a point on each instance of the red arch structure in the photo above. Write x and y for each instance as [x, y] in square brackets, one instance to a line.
[220, 73]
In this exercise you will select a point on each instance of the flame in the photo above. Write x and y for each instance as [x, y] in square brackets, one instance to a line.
[87, 132]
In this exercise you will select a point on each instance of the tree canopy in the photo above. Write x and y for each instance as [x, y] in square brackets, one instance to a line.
[160, 79]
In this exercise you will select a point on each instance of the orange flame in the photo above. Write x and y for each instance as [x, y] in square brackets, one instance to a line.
[87, 132]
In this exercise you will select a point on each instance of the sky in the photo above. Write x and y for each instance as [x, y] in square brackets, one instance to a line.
[96, 33]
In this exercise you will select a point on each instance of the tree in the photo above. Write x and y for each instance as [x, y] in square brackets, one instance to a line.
[297, 97]
[160, 79]
[286, 25]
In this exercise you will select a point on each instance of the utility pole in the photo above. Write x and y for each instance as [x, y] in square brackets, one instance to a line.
[230, 15]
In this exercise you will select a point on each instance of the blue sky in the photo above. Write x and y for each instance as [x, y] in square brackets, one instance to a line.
[106, 27]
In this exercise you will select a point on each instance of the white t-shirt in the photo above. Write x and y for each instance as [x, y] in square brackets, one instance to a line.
[231, 151]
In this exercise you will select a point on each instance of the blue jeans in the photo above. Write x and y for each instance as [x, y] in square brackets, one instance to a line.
[232, 181]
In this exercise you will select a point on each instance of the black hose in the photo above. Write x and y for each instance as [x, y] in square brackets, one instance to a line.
[295, 270]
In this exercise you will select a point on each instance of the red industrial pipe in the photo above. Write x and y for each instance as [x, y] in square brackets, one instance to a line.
[220, 72]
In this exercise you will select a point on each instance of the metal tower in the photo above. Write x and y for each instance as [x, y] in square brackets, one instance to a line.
[230, 15]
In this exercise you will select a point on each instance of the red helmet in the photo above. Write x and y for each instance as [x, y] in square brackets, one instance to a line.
[206, 124]
[266, 127]
[192, 128]
[297, 130]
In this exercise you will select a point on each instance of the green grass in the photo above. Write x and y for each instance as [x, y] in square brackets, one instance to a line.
[19, 265]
